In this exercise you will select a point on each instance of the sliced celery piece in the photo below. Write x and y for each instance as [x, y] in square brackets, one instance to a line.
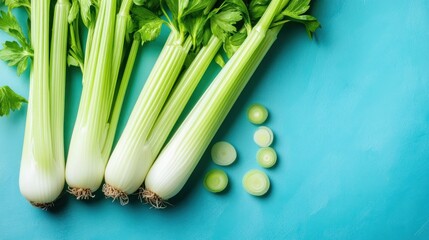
[263, 136]
[266, 157]
[223, 153]
[216, 180]
[257, 114]
[256, 182]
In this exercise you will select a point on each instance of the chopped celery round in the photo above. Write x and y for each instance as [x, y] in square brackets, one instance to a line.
[263, 136]
[257, 113]
[256, 182]
[266, 157]
[223, 153]
[216, 180]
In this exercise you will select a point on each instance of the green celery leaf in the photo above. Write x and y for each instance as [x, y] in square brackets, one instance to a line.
[294, 12]
[10, 25]
[88, 11]
[298, 7]
[139, 2]
[196, 26]
[240, 6]
[18, 3]
[74, 11]
[15, 55]
[72, 60]
[225, 20]
[222, 23]
[173, 6]
[147, 25]
[310, 23]
[257, 9]
[75, 55]
[219, 60]
[9, 101]
[233, 42]
[152, 5]
[195, 6]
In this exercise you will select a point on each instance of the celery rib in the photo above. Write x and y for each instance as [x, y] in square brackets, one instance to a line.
[86, 162]
[41, 178]
[58, 67]
[114, 118]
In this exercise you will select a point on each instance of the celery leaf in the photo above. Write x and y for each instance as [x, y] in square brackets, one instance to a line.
[9, 101]
[298, 7]
[152, 5]
[257, 9]
[233, 42]
[10, 25]
[294, 12]
[196, 26]
[184, 13]
[75, 55]
[18, 3]
[15, 55]
[74, 11]
[147, 24]
[223, 23]
[88, 11]
[191, 7]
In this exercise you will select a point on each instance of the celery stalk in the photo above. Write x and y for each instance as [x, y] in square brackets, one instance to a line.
[149, 104]
[41, 177]
[86, 160]
[58, 66]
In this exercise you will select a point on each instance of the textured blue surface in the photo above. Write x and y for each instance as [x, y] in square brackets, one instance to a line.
[350, 112]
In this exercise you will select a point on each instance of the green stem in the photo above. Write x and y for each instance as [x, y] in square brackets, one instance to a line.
[86, 163]
[270, 13]
[41, 174]
[74, 32]
[120, 97]
[40, 97]
[58, 65]
[122, 21]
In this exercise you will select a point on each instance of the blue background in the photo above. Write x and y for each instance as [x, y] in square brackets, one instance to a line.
[350, 112]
